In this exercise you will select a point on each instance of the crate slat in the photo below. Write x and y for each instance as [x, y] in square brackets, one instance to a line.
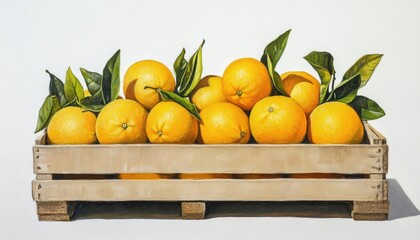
[210, 190]
[255, 158]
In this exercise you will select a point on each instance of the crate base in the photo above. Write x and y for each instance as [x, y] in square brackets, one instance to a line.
[66, 211]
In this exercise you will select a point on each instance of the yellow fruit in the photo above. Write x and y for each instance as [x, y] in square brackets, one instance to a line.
[245, 82]
[147, 73]
[169, 122]
[257, 176]
[122, 121]
[278, 119]
[204, 175]
[303, 88]
[316, 175]
[335, 123]
[224, 123]
[208, 91]
[146, 176]
[87, 93]
[72, 125]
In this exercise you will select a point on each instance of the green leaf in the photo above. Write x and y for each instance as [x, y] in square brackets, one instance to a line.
[92, 103]
[346, 91]
[367, 108]
[365, 66]
[275, 49]
[183, 101]
[50, 106]
[57, 88]
[323, 63]
[275, 77]
[111, 78]
[93, 80]
[193, 74]
[180, 67]
[72, 87]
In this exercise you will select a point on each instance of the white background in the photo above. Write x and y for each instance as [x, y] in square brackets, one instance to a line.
[39, 35]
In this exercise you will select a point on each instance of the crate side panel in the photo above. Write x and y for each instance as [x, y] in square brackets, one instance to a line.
[250, 158]
[210, 190]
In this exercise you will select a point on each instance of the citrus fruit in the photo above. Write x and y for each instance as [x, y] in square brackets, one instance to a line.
[208, 91]
[204, 175]
[86, 93]
[303, 88]
[335, 123]
[245, 82]
[278, 119]
[169, 122]
[147, 73]
[122, 121]
[72, 125]
[316, 175]
[224, 123]
[257, 176]
[145, 176]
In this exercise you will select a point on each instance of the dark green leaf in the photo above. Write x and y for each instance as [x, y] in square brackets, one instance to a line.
[183, 101]
[180, 67]
[111, 78]
[367, 108]
[323, 63]
[275, 77]
[346, 91]
[57, 88]
[193, 74]
[72, 87]
[275, 49]
[92, 103]
[50, 106]
[365, 66]
[93, 80]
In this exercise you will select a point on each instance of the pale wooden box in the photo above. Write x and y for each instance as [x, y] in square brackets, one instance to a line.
[363, 167]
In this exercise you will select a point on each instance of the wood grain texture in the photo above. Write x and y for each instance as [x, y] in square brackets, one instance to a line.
[369, 216]
[55, 210]
[54, 217]
[196, 158]
[371, 206]
[210, 190]
[193, 210]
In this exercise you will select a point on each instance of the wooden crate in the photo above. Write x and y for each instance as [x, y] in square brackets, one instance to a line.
[71, 174]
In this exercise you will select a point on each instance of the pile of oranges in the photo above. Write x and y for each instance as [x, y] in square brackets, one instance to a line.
[234, 108]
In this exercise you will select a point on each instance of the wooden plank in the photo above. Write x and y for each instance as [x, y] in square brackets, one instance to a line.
[375, 137]
[369, 216]
[371, 206]
[53, 207]
[198, 158]
[54, 217]
[193, 210]
[42, 138]
[210, 190]
[44, 177]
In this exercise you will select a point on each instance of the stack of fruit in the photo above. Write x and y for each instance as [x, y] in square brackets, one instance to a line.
[250, 102]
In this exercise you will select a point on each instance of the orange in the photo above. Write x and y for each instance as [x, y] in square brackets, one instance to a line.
[278, 119]
[204, 175]
[72, 125]
[224, 123]
[257, 176]
[208, 91]
[335, 123]
[146, 176]
[245, 82]
[86, 93]
[148, 73]
[316, 175]
[169, 122]
[122, 121]
[303, 88]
